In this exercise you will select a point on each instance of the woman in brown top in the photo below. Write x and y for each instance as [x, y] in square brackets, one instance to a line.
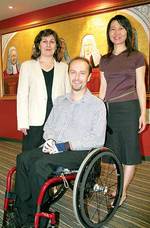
[123, 88]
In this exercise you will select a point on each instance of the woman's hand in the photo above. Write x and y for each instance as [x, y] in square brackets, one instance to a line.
[142, 123]
[141, 91]
[103, 86]
[23, 130]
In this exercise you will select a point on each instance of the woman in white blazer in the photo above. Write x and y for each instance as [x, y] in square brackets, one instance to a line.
[41, 80]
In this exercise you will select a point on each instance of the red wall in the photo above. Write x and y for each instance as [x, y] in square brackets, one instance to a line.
[145, 141]
[8, 126]
[8, 121]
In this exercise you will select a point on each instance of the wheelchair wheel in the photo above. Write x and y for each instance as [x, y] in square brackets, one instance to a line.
[53, 195]
[99, 175]
[57, 192]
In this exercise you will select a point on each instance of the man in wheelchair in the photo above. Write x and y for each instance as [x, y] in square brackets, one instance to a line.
[77, 123]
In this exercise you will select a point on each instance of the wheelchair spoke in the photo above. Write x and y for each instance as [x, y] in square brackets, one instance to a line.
[100, 176]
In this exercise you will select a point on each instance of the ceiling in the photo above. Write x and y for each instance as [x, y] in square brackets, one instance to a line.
[25, 6]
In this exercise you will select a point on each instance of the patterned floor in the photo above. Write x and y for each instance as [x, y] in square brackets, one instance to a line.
[135, 213]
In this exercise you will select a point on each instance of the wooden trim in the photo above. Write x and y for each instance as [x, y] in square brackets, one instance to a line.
[102, 8]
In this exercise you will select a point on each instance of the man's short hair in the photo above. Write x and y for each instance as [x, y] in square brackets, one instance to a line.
[82, 59]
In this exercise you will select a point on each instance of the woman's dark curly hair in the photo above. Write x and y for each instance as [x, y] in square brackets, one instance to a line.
[123, 21]
[47, 32]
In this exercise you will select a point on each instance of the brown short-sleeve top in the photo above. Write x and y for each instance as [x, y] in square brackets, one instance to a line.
[120, 74]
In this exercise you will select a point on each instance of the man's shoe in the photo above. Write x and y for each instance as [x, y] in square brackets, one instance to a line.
[11, 220]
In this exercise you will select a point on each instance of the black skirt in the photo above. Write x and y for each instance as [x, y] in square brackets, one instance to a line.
[34, 137]
[122, 131]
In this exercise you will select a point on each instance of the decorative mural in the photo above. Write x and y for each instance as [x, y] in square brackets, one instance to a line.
[17, 47]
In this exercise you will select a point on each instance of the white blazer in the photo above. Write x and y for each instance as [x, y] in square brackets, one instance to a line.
[32, 93]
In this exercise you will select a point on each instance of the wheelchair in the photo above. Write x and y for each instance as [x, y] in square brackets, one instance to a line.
[99, 175]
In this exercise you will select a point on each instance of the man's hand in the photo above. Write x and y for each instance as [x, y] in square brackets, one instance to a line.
[49, 147]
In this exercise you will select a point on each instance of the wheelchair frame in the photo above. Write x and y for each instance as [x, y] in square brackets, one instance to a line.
[90, 186]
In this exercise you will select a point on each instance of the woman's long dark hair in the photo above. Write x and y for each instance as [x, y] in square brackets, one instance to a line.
[47, 32]
[124, 22]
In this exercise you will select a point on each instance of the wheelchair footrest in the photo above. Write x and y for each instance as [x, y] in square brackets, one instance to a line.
[53, 217]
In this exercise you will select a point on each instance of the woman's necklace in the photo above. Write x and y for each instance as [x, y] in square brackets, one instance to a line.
[46, 65]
